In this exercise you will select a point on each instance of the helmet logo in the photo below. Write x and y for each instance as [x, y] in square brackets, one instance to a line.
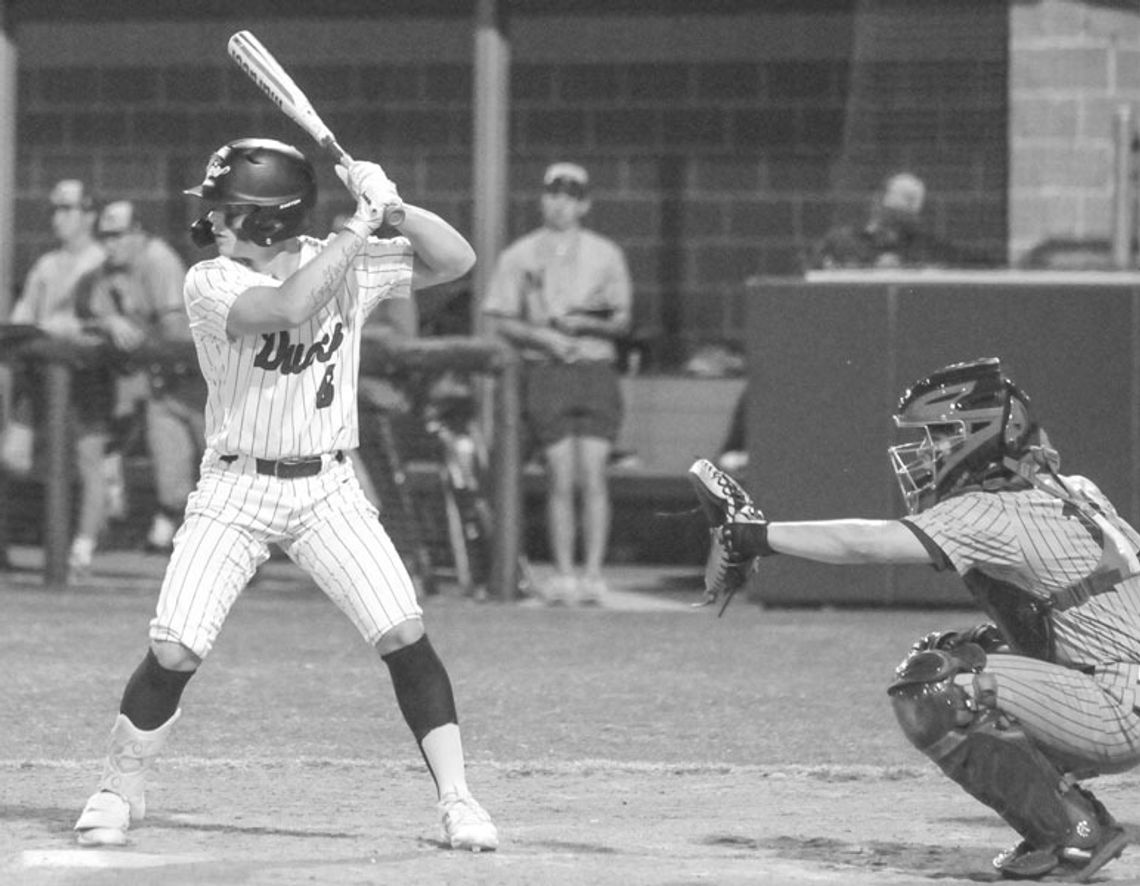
[216, 169]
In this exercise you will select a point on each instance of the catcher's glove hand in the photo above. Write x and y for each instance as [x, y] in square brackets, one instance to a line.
[725, 572]
[729, 510]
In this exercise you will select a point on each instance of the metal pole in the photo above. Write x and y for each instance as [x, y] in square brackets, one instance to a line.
[57, 498]
[491, 101]
[506, 468]
[499, 402]
[8, 73]
[1123, 194]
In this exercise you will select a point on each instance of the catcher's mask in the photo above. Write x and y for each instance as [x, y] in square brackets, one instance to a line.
[268, 182]
[970, 417]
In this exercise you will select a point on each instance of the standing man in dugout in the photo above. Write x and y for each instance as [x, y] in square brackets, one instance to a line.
[49, 299]
[562, 295]
[277, 319]
[1017, 710]
[137, 296]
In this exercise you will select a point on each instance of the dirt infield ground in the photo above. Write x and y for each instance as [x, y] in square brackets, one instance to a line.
[651, 745]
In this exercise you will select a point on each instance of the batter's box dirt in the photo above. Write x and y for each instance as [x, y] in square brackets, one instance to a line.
[626, 824]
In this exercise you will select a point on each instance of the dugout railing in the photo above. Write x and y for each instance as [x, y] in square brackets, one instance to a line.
[55, 361]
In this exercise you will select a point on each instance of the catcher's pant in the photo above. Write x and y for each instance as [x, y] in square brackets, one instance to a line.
[1084, 722]
[324, 523]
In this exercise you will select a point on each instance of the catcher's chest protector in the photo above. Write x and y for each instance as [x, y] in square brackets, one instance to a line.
[1022, 619]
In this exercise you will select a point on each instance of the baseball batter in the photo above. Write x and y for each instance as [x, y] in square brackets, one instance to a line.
[1017, 710]
[276, 319]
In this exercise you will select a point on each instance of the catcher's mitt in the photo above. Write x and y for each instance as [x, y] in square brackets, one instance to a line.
[725, 573]
[723, 502]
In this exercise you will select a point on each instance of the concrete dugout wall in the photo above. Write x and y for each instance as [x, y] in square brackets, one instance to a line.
[830, 355]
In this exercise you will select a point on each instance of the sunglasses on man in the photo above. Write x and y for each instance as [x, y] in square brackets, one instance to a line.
[569, 186]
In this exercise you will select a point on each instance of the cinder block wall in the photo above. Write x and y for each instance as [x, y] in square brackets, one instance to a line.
[722, 144]
[1073, 63]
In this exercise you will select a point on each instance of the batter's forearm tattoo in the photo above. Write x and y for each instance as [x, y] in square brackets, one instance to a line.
[331, 278]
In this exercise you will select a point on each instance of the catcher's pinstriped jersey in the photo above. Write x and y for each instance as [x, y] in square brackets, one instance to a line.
[1037, 542]
[1081, 705]
[291, 393]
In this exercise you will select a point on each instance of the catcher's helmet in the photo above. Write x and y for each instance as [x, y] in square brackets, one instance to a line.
[971, 417]
[270, 181]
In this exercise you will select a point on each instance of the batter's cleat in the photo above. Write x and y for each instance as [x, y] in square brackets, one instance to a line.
[466, 824]
[104, 820]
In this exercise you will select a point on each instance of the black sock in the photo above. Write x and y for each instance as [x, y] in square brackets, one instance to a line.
[152, 693]
[423, 689]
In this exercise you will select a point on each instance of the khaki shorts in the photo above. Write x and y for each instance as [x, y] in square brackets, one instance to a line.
[572, 400]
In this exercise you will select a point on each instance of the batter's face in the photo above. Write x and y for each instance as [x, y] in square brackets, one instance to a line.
[226, 223]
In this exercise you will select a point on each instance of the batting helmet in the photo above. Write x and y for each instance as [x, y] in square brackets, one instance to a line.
[271, 182]
[972, 417]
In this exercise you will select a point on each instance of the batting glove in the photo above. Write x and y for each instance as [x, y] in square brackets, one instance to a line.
[374, 192]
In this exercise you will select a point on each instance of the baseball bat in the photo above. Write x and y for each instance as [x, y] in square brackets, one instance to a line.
[264, 70]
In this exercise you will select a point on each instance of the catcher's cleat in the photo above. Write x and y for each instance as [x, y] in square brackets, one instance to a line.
[1072, 863]
[104, 820]
[466, 824]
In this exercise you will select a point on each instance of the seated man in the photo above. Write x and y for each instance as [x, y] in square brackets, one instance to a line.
[894, 235]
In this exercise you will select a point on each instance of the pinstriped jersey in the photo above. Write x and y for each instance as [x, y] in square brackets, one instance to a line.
[1037, 542]
[290, 393]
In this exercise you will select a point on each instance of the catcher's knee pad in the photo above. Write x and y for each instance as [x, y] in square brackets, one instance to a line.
[987, 753]
[929, 705]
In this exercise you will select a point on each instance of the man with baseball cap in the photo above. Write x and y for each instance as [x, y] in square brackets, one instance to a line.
[48, 300]
[137, 295]
[562, 295]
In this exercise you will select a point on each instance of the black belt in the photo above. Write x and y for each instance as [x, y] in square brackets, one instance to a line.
[288, 468]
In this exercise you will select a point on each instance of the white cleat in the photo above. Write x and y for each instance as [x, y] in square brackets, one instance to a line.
[466, 824]
[104, 820]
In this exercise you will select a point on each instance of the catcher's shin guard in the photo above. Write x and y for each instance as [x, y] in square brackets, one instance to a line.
[130, 757]
[991, 757]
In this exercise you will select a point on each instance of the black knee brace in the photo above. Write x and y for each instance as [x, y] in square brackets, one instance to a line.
[423, 689]
[152, 693]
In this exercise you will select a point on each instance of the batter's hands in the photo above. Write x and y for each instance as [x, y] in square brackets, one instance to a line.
[375, 194]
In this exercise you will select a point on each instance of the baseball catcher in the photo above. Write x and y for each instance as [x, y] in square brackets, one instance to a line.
[1019, 709]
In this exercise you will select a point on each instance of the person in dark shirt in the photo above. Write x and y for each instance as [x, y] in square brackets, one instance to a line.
[893, 236]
